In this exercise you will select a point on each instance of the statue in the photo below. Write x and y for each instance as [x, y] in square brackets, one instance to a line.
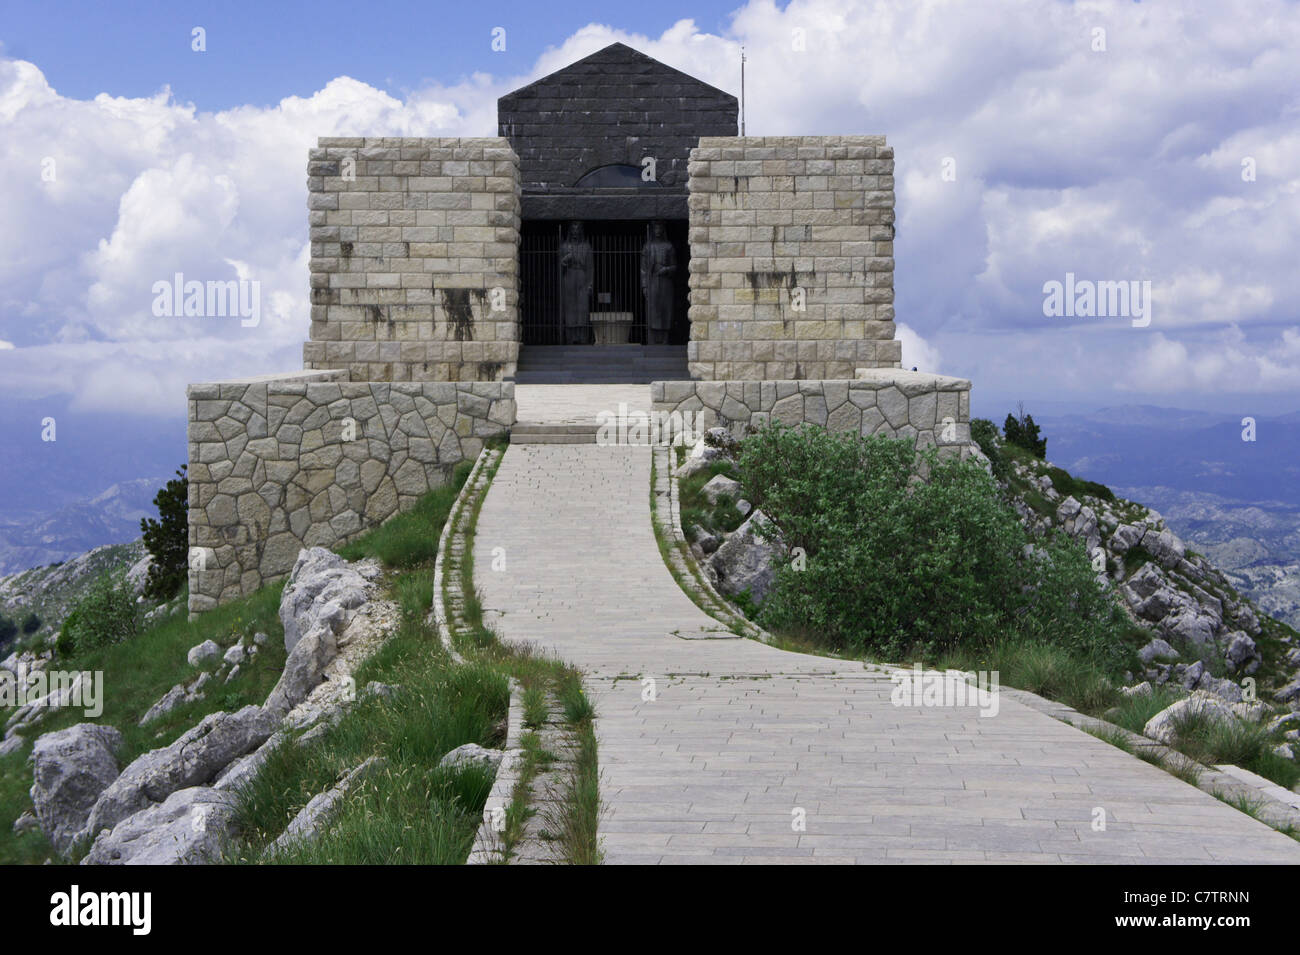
[576, 267]
[658, 267]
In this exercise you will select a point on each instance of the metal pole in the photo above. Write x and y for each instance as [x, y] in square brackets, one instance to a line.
[742, 91]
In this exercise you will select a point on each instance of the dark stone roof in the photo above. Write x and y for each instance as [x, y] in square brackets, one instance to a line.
[615, 106]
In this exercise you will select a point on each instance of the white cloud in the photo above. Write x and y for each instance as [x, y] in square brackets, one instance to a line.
[1117, 165]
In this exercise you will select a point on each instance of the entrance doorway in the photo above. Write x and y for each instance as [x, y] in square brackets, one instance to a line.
[616, 283]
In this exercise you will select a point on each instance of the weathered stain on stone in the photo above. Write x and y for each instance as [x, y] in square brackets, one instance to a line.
[459, 310]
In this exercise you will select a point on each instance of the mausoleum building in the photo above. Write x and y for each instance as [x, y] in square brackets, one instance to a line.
[617, 229]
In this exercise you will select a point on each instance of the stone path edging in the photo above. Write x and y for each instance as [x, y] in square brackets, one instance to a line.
[667, 491]
[489, 847]
[475, 487]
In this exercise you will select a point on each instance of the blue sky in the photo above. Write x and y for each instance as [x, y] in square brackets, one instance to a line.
[1026, 151]
[259, 53]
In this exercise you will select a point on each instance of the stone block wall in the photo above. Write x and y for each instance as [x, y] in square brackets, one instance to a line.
[414, 258]
[283, 462]
[792, 257]
[933, 409]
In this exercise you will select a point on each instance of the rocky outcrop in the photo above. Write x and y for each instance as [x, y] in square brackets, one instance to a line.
[71, 769]
[190, 827]
[321, 590]
[193, 760]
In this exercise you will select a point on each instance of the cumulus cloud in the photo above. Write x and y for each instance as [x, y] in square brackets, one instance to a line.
[1023, 152]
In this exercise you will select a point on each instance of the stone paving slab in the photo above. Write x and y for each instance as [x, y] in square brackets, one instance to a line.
[741, 741]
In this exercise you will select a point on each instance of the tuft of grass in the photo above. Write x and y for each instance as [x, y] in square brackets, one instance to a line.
[404, 541]
[1040, 668]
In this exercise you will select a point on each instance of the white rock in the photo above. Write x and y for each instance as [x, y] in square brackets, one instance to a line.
[205, 652]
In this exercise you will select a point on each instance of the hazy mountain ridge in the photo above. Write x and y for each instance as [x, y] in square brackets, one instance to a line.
[1234, 501]
[110, 517]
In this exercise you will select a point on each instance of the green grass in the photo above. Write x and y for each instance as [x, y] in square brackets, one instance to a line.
[410, 811]
[1046, 670]
[136, 675]
[404, 540]
[716, 518]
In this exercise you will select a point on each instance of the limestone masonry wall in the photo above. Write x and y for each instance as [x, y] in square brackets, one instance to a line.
[778, 217]
[283, 462]
[933, 409]
[414, 264]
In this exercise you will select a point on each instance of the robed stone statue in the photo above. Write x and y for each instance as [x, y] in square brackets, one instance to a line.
[658, 268]
[575, 264]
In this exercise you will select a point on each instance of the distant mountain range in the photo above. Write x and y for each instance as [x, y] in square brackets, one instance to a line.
[111, 517]
[1237, 502]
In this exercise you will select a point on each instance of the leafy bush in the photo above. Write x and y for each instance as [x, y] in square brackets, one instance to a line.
[985, 433]
[8, 630]
[167, 539]
[895, 564]
[107, 614]
[31, 623]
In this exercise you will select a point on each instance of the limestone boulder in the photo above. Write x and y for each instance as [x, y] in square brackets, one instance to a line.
[205, 653]
[193, 760]
[721, 486]
[322, 589]
[71, 769]
[1164, 725]
[303, 670]
[190, 827]
[746, 561]
[471, 755]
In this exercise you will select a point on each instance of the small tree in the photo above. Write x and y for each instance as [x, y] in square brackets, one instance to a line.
[8, 630]
[167, 539]
[31, 623]
[1021, 430]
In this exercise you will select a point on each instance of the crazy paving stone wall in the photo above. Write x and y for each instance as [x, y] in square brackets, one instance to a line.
[285, 462]
[792, 257]
[932, 409]
[414, 258]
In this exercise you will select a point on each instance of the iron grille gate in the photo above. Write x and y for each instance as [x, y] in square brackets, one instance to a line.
[616, 282]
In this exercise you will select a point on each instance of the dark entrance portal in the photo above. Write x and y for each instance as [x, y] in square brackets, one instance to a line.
[617, 304]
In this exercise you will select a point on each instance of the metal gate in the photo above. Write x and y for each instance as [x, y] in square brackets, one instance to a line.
[616, 282]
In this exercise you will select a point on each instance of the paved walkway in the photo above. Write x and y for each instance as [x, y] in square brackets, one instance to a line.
[742, 743]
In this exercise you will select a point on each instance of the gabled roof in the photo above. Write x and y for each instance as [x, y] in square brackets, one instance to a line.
[617, 59]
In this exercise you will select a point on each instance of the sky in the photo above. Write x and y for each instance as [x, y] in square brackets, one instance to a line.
[1034, 140]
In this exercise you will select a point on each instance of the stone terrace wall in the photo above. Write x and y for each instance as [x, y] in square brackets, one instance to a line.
[284, 462]
[772, 215]
[409, 239]
[933, 409]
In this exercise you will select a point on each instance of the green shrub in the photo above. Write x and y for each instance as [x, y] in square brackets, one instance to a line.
[8, 630]
[896, 564]
[985, 433]
[31, 623]
[167, 539]
[1067, 484]
[107, 614]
